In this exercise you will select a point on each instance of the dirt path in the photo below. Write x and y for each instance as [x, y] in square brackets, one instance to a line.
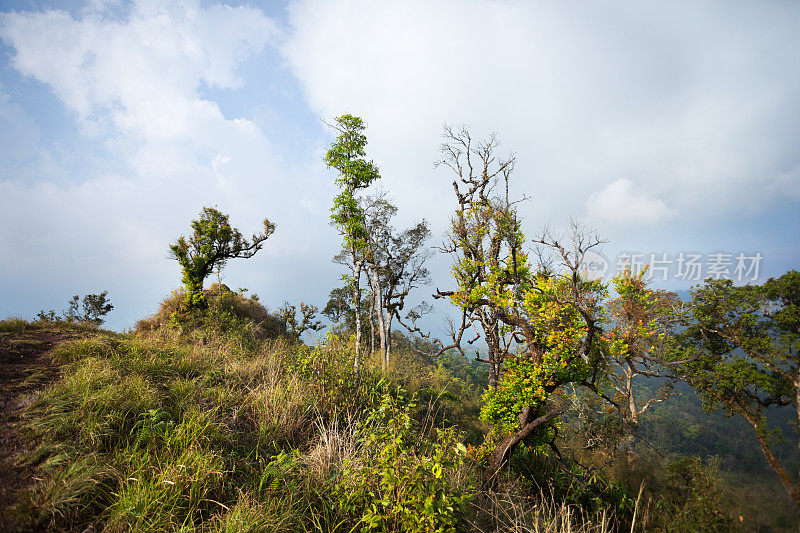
[23, 369]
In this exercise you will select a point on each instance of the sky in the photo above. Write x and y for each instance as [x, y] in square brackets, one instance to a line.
[671, 128]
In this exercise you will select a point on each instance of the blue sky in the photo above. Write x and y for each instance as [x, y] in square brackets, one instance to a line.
[672, 128]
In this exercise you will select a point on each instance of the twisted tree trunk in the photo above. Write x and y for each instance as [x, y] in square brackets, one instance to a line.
[502, 453]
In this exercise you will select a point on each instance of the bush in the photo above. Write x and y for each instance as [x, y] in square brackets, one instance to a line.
[95, 307]
[14, 325]
[693, 498]
[400, 487]
[228, 316]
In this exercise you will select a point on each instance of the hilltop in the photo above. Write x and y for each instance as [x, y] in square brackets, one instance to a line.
[226, 425]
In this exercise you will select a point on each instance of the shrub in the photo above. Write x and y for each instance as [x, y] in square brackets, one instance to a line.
[399, 487]
[14, 325]
[228, 316]
[95, 307]
[693, 497]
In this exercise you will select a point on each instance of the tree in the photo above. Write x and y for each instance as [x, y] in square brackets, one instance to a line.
[395, 264]
[483, 229]
[638, 343]
[338, 308]
[541, 324]
[307, 322]
[213, 242]
[744, 346]
[347, 155]
[95, 308]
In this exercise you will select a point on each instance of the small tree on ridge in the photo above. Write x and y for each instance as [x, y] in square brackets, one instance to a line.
[213, 242]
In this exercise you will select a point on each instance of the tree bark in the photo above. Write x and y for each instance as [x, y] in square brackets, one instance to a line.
[630, 439]
[492, 337]
[357, 305]
[502, 453]
[387, 355]
[792, 489]
[372, 327]
[378, 298]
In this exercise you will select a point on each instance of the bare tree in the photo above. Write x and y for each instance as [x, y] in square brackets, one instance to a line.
[544, 321]
[395, 264]
[477, 235]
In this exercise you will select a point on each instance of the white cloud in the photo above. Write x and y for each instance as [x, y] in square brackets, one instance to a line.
[142, 73]
[694, 99]
[619, 204]
[135, 76]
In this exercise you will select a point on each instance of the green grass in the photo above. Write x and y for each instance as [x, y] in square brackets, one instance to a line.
[165, 432]
[143, 433]
[16, 325]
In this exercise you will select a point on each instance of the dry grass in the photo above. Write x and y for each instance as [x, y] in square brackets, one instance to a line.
[226, 309]
[337, 445]
[506, 511]
[284, 411]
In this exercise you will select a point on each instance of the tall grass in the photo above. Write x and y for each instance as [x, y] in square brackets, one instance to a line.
[208, 431]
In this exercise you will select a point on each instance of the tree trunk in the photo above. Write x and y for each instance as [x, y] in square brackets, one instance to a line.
[378, 293]
[387, 354]
[502, 453]
[372, 327]
[357, 305]
[377, 305]
[792, 489]
[633, 418]
[492, 335]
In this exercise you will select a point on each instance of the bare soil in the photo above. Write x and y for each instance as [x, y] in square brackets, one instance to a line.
[24, 369]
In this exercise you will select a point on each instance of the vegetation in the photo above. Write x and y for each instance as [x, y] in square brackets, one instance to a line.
[744, 344]
[347, 155]
[214, 415]
[212, 243]
[157, 431]
[95, 308]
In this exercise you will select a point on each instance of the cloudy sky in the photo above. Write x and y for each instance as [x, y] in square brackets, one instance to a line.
[672, 127]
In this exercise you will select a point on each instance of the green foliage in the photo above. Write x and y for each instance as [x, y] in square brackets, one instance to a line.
[339, 308]
[213, 242]
[692, 494]
[745, 358]
[559, 331]
[95, 307]
[743, 346]
[49, 316]
[400, 487]
[307, 321]
[347, 155]
[540, 324]
[637, 344]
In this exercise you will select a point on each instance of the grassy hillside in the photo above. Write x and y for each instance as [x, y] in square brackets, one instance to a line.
[221, 423]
